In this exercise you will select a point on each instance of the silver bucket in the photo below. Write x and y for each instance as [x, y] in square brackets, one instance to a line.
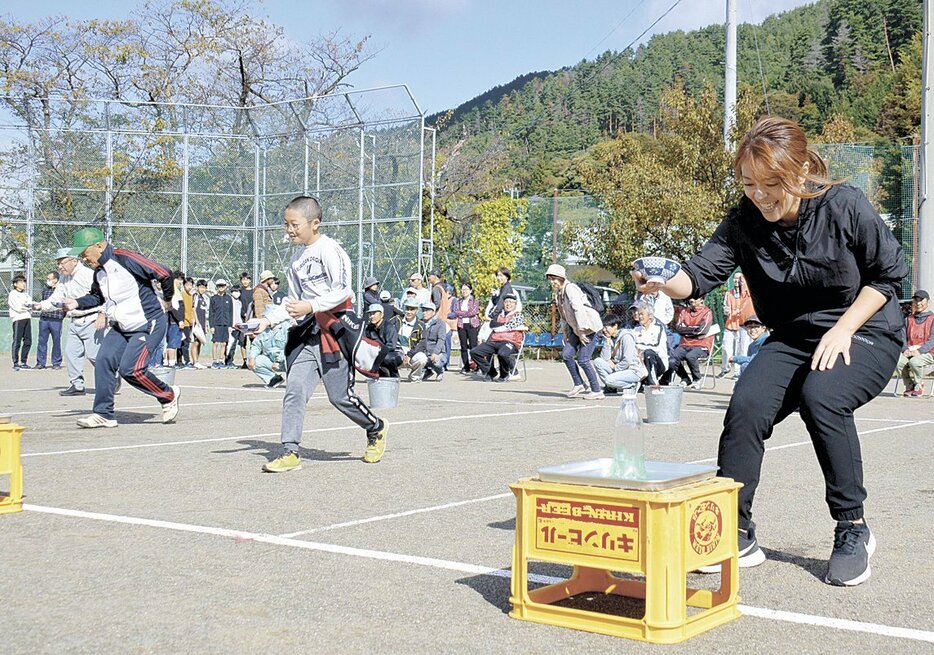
[663, 404]
[164, 373]
[384, 392]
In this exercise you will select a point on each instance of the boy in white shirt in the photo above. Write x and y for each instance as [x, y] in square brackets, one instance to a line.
[319, 283]
[20, 304]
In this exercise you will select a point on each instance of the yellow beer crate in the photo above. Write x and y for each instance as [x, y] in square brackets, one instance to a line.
[638, 544]
[11, 465]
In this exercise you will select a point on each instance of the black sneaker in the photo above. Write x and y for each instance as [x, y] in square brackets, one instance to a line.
[749, 552]
[275, 381]
[853, 545]
[71, 391]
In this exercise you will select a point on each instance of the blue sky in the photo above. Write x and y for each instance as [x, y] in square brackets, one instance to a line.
[449, 51]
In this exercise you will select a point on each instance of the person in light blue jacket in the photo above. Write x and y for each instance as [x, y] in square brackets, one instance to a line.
[267, 354]
[758, 333]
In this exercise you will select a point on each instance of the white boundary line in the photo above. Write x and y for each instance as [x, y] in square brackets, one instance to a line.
[330, 429]
[422, 510]
[154, 407]
[461, 567]
[397, 515]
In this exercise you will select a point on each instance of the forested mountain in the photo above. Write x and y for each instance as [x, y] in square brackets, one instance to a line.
[855, 60]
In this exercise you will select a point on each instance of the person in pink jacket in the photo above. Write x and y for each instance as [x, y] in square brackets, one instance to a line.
[466, 312]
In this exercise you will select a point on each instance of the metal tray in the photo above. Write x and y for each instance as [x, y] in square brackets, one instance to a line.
[596, 473]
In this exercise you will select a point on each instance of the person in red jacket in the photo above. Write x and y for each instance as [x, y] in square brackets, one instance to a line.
[918, 353]
[692, 324]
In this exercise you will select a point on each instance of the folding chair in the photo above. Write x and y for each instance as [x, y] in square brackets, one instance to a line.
[925, 372]
[514, 373]
[715, 351]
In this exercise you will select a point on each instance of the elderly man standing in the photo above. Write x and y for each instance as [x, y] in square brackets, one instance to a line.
[85, 330]
[123, 283]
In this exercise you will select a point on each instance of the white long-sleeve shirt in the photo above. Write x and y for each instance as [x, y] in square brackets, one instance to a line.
[76, 285]
[321, 274]
[19, 304]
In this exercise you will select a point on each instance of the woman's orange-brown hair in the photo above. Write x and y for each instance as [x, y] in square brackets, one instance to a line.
[777, 148]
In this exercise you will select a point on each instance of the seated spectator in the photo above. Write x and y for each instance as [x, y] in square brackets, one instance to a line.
[619, 365]
[370, 291]
[692, 324]
[508, 331]
[390, 310]
[651, 340]
[410, 330]
[267, 352]
[919, 326]
[661, 305]
[497, 298]
[758, 333]
[430, 352]
[383, 332]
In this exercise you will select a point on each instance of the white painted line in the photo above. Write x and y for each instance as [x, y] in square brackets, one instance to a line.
[397, 515]
[240, 536]
[808, 443]
[274, 434]
[42, 389]
[839, 624]
[154, 406]
[489, 402]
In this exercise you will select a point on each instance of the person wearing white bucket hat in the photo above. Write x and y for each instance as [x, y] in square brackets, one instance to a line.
[580, 324]
[86, 326]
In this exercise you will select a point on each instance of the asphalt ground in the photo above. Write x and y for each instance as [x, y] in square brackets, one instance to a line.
[169, 538]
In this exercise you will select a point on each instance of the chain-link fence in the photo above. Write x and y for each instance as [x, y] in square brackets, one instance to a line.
[201, 188]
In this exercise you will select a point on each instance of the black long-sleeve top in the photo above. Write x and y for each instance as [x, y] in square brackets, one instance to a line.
[807, 275]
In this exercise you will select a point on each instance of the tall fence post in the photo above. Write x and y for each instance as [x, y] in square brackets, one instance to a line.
[184, 235]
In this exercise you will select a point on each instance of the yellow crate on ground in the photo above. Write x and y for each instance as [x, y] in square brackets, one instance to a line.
[657, 537]
[11, 465]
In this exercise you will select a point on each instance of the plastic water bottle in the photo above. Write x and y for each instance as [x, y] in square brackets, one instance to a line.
[628, 441]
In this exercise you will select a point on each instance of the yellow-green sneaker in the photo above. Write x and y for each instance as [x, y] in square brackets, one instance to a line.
[288, 462]
[376, 444]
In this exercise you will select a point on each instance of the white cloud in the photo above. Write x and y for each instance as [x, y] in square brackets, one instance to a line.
[692, 14]
[404, 16]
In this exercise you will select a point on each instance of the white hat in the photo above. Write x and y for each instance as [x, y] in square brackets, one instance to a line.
[265, 275]
[557, 270]
[385, 295]
[219, 282]
[375, 307]
[62, 253]
[429, 305]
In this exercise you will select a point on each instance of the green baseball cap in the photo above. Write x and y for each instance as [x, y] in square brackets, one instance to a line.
[85, 237]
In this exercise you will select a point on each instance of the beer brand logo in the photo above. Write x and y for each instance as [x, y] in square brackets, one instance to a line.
[706, 527]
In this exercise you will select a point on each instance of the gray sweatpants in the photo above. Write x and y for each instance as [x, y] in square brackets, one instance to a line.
[303, 377]
[83, 341]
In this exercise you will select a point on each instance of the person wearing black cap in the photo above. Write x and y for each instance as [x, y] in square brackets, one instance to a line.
[758, 333]
[920, 349]
[824, 273]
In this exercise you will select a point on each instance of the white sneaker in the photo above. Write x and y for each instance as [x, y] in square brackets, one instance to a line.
[576, 391]
[200, 366]
[170, 410]
[96, 421]
[593, 395]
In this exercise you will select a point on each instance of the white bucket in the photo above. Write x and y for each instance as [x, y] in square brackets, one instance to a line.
[384, 392]
[164, 373]
[663, 404]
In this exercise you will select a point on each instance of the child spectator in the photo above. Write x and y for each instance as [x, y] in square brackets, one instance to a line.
[267, 353]
[20, 303]
[619, 365]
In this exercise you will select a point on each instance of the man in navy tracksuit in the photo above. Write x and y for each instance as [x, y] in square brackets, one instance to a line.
[123, 284]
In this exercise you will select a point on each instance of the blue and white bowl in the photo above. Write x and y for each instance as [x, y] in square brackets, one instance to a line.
[657, 269]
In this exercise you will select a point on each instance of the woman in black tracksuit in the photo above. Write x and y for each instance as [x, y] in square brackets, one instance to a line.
[824, 273]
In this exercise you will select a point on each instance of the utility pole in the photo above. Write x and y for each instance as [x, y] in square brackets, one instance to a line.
[729, 86]
[924, 247]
